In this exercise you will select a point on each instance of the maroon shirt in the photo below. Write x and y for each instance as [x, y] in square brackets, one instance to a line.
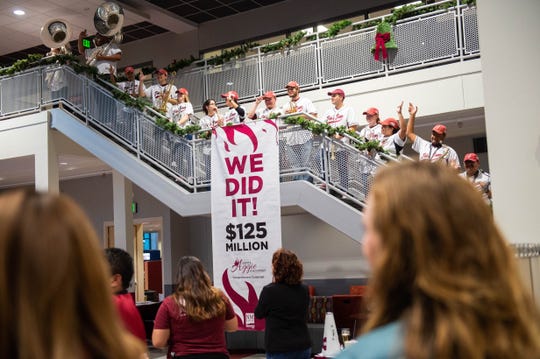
[191, 337]
[130, 315]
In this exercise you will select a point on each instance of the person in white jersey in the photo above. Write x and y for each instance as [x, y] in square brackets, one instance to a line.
[106, 54]
[372, 131]
[126, 114]
[131, 86]
[299, 142]
[270, 109]
[182, 149]
[235, 113]
[340, 115]
[163, 91]
[394, 132]
[209, 121]
[436, 150]
[480, 179]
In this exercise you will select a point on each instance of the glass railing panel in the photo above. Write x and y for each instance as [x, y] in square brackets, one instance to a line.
[241, 76]
[299, 64]
[20, 92]
[470, 31]
[426, 40]
[348, 57]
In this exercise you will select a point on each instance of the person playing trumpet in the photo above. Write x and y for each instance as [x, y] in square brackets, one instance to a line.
[106, 53]
[163, 94]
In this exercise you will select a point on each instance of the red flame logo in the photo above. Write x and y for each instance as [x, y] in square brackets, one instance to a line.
[246, 306]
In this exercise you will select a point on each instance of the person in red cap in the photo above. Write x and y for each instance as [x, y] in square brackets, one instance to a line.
[340, 115]
[131, 86]
[162, 91]
[181, 112]
[297, 103]
[371, 132]
[434, 151]
[394, 133]
[299, 142]
[480, 179]
[236, 113]
[270, 109]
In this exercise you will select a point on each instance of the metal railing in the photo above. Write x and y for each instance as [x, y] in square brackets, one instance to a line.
[335, 166]
[436, 38]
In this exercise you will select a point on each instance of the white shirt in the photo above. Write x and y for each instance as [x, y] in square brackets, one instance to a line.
[177, 111]
[232, 116]
[372, 133]
[302, 105]
[103, 66]
[130, 87]
[209, 122]
[343, 116]
[155, 92]
[428, 152]
[482, 181]
[265, 113]
[389, 143]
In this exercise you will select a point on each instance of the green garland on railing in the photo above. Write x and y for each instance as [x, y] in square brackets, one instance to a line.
[319, 128]
[285, 43]
[332, 31]
[228, 55]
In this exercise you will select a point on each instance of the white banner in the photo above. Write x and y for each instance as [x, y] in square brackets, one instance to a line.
[246, 213]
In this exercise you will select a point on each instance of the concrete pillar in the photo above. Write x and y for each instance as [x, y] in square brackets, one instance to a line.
[510, 52]
[123, 217]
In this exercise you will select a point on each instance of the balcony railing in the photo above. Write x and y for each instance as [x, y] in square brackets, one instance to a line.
[426, 40]
[333, 165]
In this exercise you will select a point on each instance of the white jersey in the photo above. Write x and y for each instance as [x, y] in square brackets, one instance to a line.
[301, 105]
[266, 113]
[176, 112]
[103, 66]
[482, 181]
[428, 152]
[209, 122]
[155, 92]
[232, 116]
[389, 143]
[372, 133]
[340, 117]
[130, 87]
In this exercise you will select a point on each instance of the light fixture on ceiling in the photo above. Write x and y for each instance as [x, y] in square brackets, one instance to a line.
[19, 12]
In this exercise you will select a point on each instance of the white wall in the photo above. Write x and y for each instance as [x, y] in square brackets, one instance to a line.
[512, 93]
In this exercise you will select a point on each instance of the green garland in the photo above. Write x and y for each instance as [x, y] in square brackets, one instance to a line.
[332, 30]
[228, 55]
[318, 128]
[285, 43]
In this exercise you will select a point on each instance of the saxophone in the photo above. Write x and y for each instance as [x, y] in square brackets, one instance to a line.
[165, 96]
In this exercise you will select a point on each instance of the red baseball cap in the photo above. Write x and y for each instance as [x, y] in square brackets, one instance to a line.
[440, 129]
[471, 157]
[337, 92]
[292, 84]
[162, 72]
[232, 94]
[371, 111]
[390, 121]
[269, 94]
[182, 90]
[129, 69]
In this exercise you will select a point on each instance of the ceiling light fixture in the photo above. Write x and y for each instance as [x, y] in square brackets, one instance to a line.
[19, 12]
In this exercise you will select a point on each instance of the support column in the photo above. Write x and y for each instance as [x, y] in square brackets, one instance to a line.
[46, 166]
[511, 81]
[123, 218]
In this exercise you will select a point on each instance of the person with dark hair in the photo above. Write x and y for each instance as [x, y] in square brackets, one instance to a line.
[444, 283]
[55, 299]
[193, 320]
[121, 265]
[284, 304]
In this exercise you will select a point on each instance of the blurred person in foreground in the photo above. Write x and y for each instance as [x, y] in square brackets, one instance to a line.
[193, 320]
[121, 265]
[55, 299]
[444, 282]
[284, 304]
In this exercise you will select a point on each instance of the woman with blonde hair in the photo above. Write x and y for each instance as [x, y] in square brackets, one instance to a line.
[55, 296]
[193, 320]
[444, 281]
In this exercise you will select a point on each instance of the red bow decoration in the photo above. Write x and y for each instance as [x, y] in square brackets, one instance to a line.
[380, 41]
